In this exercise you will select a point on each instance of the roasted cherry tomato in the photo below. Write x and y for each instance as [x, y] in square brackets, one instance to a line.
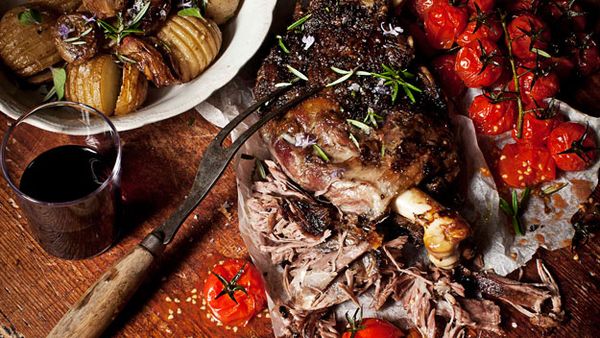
[479, 64]
[573, 146]
[535, 130]
[235, 292]
[522, 165]
[443, 67]
[567, 12]
[443, 23]
[587, 55]
[486, 29]
[373, 328]
[522, 5]
[493, 113]
[562, 66]
[535, 85]
[529, 36]
[423, 6]
[483, 5]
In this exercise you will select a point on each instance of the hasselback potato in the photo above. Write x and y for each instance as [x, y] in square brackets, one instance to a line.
[134, 89]
[95, 83]
[26, 45]
[193, 43]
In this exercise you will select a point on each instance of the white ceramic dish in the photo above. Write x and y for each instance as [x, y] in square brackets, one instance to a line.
[242, 36]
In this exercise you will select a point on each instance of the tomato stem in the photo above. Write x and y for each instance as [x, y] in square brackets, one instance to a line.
[230, 287]
[513, 67]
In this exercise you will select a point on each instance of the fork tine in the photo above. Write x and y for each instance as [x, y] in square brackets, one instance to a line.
[222, 135]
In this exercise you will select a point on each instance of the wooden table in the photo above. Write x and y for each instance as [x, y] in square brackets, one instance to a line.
[158, 168]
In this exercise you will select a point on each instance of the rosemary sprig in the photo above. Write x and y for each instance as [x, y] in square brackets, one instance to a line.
[297, 73]
[360, 125]
[515, 209]
[372, 117]
[396, 79]
[121, 30]
[354, 140]
[299, 22]
[76, 40]
[513, 68]
[282, 44]
[320, 152]
[346, 74]
[553, 188]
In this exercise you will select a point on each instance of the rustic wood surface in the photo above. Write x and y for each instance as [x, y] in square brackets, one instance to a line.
[159, 164]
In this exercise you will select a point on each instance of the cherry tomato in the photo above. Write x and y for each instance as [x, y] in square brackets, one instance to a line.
[528, 33]
[562, 66]
[567, 11]
[239, 280]
[423, 6]
[587, 55]
[536, 131]
[479, 63]
[485, 6]
[493, 114]
[535, 84]
[488, 29]
[443, 67]
[573, 146]
[522, 165]
[522, 5]
[443, 23]
[374, 328]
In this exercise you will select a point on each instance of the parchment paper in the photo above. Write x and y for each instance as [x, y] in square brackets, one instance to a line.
[501, 250]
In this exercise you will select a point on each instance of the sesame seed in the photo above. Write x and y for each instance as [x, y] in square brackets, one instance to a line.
[227, 327]
[208, 315]
[520, 177]
[203, 308]
[170, 311]
[543, 177]
[524, 164]
[193, 301]
[168, 299]
[194, 296]
[503, 157]
[235, 329]
[189, 299]
[514, 325]
[504, 176]
[178, 311]
[194, 290]
[176, 300]
[170, 317]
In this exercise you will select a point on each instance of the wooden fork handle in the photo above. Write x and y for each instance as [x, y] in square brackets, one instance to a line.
[101, 303]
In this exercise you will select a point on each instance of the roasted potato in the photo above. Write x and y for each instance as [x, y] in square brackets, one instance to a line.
[221, 10]
[193, 44]
[134, 89]
[26, 45]
[95, 82]
[60, 6]
[75, 38]
[104, 9]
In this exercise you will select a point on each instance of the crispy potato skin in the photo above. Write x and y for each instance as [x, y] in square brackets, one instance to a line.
[59, 6]
[134, 90]
[76, 53]
[95, 83]
[148, 60]
[221, 10]
[27, 49]
[194, 44]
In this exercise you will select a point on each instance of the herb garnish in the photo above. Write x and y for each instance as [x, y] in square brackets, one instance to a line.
[372, 117]
[260, 169]
[395, 79]
[230, 287]
[59, 77]
[30, 16]
[299, 22]
[346, 74]
[360, 125]
[553, 188]
[193, 8]
[354, 140]
[121, 30]
[77, 40]
[515, 209]
[320, 153]
[282, 45]
[297, 73]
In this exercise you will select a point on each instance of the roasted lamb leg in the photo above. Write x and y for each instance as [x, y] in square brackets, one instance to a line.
[364, 141]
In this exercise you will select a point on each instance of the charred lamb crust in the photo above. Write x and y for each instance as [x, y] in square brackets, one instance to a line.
[415, 137]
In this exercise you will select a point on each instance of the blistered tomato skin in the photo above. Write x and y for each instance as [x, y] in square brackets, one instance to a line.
[535, 88]
[522, 165]
[484, 6]
[477, 66]
[443, 67]
[443, 23]
[526, 31]
[249, 303]
[536, 131]
[491, 31]
[375, 328]
[492, 118]
[573, 146]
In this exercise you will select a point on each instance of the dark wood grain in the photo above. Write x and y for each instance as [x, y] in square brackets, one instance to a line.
[158, 168]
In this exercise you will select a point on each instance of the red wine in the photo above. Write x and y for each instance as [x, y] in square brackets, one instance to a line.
[64, 174]
[71, 173]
